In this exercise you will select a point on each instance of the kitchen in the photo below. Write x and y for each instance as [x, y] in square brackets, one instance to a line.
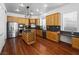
[33, 29]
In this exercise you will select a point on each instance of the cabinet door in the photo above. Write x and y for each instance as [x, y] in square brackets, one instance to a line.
[26, 21]
[52, 36]
[52, 20]
[11, 19]
[59, 16]
[48, 20]
[38, 22]
[57, 19]
[19, 20]
[75, 42]
[32, 21]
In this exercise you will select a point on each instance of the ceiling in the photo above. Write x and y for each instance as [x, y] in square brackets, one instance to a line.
[42, 7]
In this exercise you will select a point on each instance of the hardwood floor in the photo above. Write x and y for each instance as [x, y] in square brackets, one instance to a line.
[17, 46]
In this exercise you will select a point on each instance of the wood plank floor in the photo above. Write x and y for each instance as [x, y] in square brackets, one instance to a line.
[17, 46]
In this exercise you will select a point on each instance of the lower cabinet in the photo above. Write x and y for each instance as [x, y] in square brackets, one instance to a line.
[75, 42]
[54, 36]
[39, 32]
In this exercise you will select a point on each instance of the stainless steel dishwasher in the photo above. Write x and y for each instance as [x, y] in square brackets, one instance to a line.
[66, 37]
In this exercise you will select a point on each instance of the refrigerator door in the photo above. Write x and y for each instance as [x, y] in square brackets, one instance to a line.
[12, 29]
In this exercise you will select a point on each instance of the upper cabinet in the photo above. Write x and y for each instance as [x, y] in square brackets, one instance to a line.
[18, 20]
[32, 21]
[23, 20]
[57, 19]
[53, 19]
[38, 22]
[48, 20]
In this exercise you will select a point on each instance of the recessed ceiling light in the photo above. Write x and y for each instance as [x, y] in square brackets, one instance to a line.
[17, 10]
[22, 5]
[31, 13]
[45, 5]
[37, 10]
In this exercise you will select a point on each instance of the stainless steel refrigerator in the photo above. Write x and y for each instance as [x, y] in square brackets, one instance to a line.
[12, 29]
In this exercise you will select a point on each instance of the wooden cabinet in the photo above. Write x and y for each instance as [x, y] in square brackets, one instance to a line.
[26, 21]
[32, 21]
[17, 19]
[57, 19]
[11, 18]
[39, 32]
[22, 21]
[75, 42]
[38, 22]
[48, 20]
[53, 19]
[54, 36]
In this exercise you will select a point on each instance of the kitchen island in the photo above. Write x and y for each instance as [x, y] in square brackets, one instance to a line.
[29, 36]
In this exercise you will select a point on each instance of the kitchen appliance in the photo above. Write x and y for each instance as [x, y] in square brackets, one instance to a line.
[33, 26]
[21, 28]
[12, 29]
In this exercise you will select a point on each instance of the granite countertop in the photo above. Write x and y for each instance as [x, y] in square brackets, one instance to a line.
[76, 34]
[66, 33]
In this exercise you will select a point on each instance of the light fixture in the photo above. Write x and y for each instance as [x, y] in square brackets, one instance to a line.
[28, 13]
[31, 13]
[45, 5]
[17, 10]
[22, 5]
[37, 10]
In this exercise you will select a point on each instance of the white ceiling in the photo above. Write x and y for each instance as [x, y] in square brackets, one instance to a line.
[11, 7]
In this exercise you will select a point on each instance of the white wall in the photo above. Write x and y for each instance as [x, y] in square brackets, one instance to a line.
[3, 23]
